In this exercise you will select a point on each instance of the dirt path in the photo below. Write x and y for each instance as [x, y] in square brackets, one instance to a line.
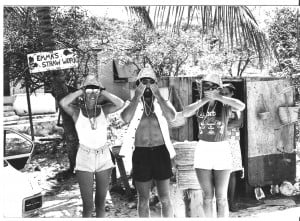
[62, 197]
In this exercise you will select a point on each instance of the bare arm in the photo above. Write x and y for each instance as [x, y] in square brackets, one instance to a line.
[166, 106]
[191, 109]
[234, 103]
[66, 103]
[129, 111]
[117, 103]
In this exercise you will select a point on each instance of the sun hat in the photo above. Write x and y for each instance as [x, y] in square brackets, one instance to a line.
[214, 78]
[91, 80]
[147, 72]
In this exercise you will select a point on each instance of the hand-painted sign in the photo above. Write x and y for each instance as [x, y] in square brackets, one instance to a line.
[54, 60]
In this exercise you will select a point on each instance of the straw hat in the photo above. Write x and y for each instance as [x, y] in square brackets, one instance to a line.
[91, 80]
[214, 78]
[147, 72]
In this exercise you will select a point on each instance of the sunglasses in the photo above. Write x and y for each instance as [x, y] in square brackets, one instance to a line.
[92, 89]
[207, 85]
[145, 81]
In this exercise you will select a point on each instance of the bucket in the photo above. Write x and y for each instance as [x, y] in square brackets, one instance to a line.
[264, 115]
[184, 159]
[288, 115]
[185, 152]
[187, 178]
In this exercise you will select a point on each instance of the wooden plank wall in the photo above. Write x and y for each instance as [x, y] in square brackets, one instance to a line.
[183, 87]
[270, 144]
[262, 136]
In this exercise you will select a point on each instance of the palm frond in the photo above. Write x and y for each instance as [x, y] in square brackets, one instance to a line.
[236, 24]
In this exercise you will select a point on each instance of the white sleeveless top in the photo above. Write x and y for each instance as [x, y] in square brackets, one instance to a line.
[93, 139]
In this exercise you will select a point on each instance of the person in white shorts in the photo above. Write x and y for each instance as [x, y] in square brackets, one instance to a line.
[94, 157]
[212, 160]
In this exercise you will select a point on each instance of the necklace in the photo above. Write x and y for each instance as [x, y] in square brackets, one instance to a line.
[203, 124]
[149, 107]
[92, 119]
[211, 113]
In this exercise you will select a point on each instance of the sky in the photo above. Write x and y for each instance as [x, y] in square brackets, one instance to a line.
[118, 12]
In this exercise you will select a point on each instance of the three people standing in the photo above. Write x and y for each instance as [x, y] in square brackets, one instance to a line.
[148, 138]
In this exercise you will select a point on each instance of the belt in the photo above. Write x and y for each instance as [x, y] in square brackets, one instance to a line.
[96, 150]
[151, 148]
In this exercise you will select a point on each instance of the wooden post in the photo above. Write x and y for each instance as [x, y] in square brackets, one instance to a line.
[29, 104]
[120, 164]
[123, 175]
[193, 201]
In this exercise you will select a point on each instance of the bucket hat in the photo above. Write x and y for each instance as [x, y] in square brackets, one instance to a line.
[214, 78]
[147, 72]
[91, 80]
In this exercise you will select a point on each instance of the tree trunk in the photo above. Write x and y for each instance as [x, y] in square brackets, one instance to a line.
[298, 32]
[59, 87]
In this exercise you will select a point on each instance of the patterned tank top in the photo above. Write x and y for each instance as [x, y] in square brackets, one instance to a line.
[213, 122]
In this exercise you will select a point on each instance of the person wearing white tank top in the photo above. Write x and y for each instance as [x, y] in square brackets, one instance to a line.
[93, 158]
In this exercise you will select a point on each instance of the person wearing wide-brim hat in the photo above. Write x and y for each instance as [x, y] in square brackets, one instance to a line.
[93, 157]
[149, 139]
[212, 157]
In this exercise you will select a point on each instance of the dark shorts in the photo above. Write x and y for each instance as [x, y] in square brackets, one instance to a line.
[151, 163]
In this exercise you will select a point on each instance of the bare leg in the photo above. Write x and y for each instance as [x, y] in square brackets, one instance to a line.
[86, 181]
[231, 189]
[143, 190]
[102, 183]
[164, 197]
[205, 178]
[221, 178]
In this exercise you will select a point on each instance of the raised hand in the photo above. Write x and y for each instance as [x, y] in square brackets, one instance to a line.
[139, 91]
[155, 90]
[212, 95]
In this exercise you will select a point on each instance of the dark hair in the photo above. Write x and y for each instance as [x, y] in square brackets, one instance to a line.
[230, 87]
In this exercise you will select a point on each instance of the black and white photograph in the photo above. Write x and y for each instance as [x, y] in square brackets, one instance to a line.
[151, 111]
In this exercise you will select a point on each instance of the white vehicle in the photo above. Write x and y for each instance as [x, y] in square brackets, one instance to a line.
[21, 194]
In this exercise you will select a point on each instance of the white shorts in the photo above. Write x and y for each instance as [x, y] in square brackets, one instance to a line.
[93, 160]
[213, 155]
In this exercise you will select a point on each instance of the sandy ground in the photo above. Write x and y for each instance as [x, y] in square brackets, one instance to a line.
[62, 197]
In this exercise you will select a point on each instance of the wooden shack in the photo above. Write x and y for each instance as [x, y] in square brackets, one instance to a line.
[267, 141]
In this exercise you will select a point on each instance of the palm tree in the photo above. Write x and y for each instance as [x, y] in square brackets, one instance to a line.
[235, 24]
[59, 88]
[298, 31]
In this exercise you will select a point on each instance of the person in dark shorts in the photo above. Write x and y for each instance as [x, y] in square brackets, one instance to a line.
[148, 134]
[151, 163]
